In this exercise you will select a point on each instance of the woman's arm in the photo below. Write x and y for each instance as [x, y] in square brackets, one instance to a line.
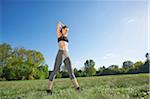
[58, 29]
[66, 34]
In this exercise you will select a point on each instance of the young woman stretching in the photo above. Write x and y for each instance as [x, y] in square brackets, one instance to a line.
[62, 56]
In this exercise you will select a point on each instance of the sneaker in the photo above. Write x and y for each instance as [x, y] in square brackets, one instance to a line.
[49, 92]
[78, 89]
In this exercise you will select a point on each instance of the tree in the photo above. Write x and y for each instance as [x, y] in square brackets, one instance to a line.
[1, 71]
[42, 72]
[113, 67]
[145, 67]
[89, 63]
[64, 74]
[90, 71]
[89, 68]
[34, 60]
[137, 65]
[127, 66]
[78, 74]
[147, 56]
[58, 75]
[19, 63]
[5, 53]
[100, 70]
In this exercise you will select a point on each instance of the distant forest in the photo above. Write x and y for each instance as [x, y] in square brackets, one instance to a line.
[21, 64]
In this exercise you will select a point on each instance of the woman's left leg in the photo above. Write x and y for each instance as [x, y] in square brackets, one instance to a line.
[68, 64]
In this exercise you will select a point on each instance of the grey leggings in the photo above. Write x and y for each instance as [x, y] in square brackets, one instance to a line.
[62, 55]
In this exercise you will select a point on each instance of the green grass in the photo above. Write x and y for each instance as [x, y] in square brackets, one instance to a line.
[133, 86]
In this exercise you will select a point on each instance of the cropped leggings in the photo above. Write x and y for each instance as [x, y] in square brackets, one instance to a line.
[62, 56]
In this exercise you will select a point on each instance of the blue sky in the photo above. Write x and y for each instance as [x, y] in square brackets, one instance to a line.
[109, 32]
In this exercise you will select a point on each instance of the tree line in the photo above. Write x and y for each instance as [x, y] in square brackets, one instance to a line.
[20, 64]
[128, 67]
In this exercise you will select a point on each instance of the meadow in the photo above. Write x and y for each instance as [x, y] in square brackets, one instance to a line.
[127, 86]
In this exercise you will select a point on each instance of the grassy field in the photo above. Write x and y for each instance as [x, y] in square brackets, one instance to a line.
[133, 86]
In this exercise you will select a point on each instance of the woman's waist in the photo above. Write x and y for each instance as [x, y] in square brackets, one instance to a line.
[62, 43]
[63, 49]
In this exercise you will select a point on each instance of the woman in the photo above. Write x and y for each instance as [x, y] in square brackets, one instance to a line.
[62, 56]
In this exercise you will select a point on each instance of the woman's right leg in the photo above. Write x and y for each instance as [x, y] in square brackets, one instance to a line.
[58, 62]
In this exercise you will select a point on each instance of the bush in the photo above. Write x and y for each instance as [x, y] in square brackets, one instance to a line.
[58, 75]
[1, 71]
[9, 73]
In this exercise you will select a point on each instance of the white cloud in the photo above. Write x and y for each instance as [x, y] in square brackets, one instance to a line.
[110, 55]
[128, 20]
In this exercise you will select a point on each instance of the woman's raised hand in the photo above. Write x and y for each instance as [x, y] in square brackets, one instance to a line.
[59, 24]
[62, 24]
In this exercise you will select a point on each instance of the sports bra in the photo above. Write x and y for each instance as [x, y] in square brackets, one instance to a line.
[63, 38]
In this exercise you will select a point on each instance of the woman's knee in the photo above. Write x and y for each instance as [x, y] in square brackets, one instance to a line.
[72, 76]
[67, 61]
[53, 74]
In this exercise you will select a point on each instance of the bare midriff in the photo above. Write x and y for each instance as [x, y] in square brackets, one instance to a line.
[63, 45]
